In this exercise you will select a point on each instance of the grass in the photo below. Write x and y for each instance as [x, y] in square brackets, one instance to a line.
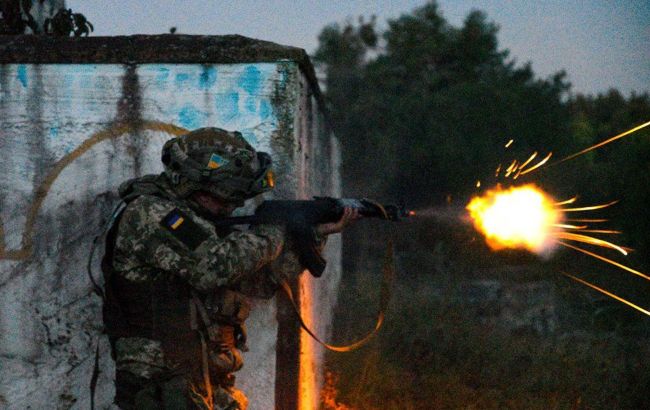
[435, 352]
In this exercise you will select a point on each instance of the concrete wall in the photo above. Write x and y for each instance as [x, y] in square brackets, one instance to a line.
[69, 134]
[319, 156]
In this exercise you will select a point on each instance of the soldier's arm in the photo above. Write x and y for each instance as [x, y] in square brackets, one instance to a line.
[288, 266]
[163, 236]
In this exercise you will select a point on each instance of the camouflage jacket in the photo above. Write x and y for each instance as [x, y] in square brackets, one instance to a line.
[161, 234]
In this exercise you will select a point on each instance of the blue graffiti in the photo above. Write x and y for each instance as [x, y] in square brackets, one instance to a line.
[208, 77]
[190, 117]
[182, 79]
[54, 132]
[227, 105]
[251, 80]
[251, 104]
[265, 109]
[161, 77]
[22, 74]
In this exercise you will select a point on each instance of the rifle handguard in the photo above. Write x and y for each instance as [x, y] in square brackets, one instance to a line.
[301, 216]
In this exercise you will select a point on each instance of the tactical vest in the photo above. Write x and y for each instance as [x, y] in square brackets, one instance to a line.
[157, 309]
[166, 309]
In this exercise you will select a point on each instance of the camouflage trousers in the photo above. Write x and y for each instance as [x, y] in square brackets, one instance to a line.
[172, 392]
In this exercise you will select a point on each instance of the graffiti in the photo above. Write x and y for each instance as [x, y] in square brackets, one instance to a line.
[114, 132]
[190, 117]
[239, 97]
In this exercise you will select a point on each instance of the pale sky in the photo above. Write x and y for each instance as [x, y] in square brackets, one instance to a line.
[600, 43]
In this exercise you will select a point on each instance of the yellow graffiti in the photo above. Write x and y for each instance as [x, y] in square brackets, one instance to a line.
[43, 189]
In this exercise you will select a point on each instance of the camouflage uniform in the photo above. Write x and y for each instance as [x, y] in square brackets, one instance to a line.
[176, 288]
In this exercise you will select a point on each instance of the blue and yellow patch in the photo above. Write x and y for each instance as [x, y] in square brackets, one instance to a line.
[216, 161]
[184, 229]
[176, 221]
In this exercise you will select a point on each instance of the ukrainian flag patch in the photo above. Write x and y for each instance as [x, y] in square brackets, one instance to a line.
[176, 221]
[184, 228]
[216, 161]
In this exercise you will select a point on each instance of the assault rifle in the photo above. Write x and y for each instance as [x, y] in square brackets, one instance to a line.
[301, 216]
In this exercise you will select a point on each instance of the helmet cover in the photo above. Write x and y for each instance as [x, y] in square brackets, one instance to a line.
[217, 161]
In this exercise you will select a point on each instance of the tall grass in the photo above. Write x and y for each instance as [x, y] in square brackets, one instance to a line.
[436, 351]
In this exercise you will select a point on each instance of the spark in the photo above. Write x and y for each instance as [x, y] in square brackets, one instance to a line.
[478, 184]
[566, 226]
[539, 164]
[607, 141]
[589, 149]
[509, 143]
[509, 221]
[589, 240]
[567, 202]
[604, 259]
[532, 157]
[511, 168]
[610, 294]
[589, 208]
[587, 220]
[526, 217]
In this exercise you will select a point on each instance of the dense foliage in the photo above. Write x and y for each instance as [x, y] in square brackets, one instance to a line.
[423, 110]
[16, 17]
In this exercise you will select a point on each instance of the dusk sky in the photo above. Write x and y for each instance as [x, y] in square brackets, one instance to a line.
[601, 44]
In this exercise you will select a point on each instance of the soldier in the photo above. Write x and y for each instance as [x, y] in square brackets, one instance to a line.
[177, 286]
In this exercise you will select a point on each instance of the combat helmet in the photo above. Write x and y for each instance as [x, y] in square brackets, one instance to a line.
[217, 161]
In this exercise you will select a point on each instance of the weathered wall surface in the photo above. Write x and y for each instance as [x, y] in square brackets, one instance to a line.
[319, 157]
[69, 134]
[316, 158]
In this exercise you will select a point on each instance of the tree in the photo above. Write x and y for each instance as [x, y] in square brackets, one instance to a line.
[424, 113]
[622, 169]
[16, 18]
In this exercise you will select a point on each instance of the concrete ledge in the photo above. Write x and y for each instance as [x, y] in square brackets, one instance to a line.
[144, 49]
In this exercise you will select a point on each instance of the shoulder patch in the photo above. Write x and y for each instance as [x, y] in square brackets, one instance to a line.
[184, 229]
